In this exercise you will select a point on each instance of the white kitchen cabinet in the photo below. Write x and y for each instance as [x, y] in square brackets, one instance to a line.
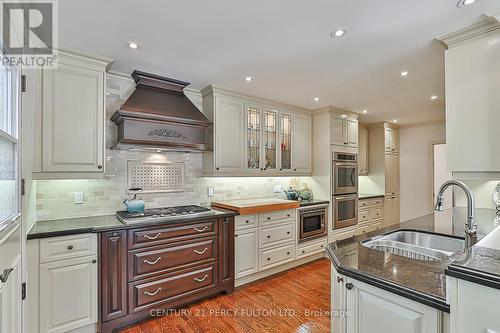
[10, 290]
[69, 125]
[338, 302]
[226, 136]
[253, 137]
[61, 269]
[363, 150]
[373, 310]
[344, 130]
[60, 281]
[391, 210]
[246, 248]
[301, 146]
[473, 307]
[391, 174]
[391, 140]
[472, 78]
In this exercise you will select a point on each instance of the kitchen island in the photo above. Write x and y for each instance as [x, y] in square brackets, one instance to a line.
[403, 294]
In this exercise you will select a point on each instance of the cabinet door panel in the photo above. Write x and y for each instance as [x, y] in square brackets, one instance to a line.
[351, 132]
[246, 245]
[301, 148]
[229, 142]
[72, 120]
[60, 281]
[391, 174]
[363, 151]
[376, 311]
[337, 129]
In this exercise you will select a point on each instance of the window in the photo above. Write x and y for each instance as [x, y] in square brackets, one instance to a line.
[9, 166]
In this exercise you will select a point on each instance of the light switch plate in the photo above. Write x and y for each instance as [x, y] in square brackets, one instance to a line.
[278, 188]
[78, 198]
[210, 191]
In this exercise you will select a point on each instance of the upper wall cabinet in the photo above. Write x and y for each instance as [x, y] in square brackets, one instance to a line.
[344, 130]
[69, 118]
[363, 150]
[251, 137]
[392, 141]
[472, 74]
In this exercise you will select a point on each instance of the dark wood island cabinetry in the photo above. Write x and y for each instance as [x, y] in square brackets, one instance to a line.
[161, 267]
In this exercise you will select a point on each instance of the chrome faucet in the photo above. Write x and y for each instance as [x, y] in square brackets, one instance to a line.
[470, 226]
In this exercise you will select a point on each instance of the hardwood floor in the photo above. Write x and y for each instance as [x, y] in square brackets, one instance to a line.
[297, 300]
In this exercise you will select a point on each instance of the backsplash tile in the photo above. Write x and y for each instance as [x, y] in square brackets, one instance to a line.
[105, 196]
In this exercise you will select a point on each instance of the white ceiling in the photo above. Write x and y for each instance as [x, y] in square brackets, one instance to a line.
[285, 45]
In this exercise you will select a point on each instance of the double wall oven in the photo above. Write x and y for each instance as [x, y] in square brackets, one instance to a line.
[345, 189]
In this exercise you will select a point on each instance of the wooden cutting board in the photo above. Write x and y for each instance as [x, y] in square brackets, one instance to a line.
[255, 206]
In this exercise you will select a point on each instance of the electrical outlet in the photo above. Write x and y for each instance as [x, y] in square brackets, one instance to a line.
[78, 197]
[210, 192]
[278, 189]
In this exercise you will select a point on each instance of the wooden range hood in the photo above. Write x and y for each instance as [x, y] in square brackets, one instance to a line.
[158, 116]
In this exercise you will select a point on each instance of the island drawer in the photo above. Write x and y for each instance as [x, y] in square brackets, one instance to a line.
[376, 214]
[154, 236]
[153, 292]
[158, 259]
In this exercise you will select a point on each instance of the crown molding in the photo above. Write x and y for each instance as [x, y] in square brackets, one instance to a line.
[486, 25]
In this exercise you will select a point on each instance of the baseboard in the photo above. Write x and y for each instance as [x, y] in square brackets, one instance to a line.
[275, 270]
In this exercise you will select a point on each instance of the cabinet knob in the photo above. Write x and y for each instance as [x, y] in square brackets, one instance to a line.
[268, 217]
[99, 167]
[247, 221]
[288, 253]
[287, 215]
[268, 259]
[281, 169]
[339, 279]
[268, 236]
[94, 261]
[217, 168]
[294, 169]
[114, 234]
[349, 286]
[70, 247]
[303, 251]
[288, 232]
[236, 235]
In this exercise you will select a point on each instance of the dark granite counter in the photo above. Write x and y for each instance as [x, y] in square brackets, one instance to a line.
[305, 203]
[481, 264]
[421, 281]
[62, 227]
[363, 196]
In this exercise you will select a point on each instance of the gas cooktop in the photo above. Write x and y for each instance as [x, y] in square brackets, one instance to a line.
[164, 214]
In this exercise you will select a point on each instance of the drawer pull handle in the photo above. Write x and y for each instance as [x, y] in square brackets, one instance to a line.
[268, 236]
[201, 252]
[200, 230]
[202, 279]
[268, 217]
[146, 261]
[147, 293]
[70, 247]
[287, 215]
[268, 259]
[152, 237]
[288, 253]
[288, 232]
[303, 251]
[247, 221]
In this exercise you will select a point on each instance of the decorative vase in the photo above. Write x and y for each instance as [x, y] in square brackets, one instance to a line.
[305, 192]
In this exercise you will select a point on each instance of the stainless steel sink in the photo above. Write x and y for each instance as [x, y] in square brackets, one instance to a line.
[416, 245]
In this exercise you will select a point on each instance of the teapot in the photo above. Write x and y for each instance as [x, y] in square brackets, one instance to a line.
[134, 204]
[291, 194]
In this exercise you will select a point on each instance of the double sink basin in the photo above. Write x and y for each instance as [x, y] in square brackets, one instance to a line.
[416, 245]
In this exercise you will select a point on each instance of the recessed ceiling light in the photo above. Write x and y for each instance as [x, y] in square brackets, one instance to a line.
[343, 116]
[338, 33]
[434, 97]
[365, 111]
[395, 121]
[133, 45]
[248, 78]
[316, 99]
[463, 3]
[404, 73]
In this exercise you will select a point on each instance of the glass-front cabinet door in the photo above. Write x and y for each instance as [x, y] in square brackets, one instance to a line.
[270, 139]
[285, 142]
[254, 114]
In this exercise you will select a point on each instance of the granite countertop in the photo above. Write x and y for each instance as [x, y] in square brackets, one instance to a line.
[362, 196]
[422, 281]
[481, 263]
[81, 225]
[305, 203]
